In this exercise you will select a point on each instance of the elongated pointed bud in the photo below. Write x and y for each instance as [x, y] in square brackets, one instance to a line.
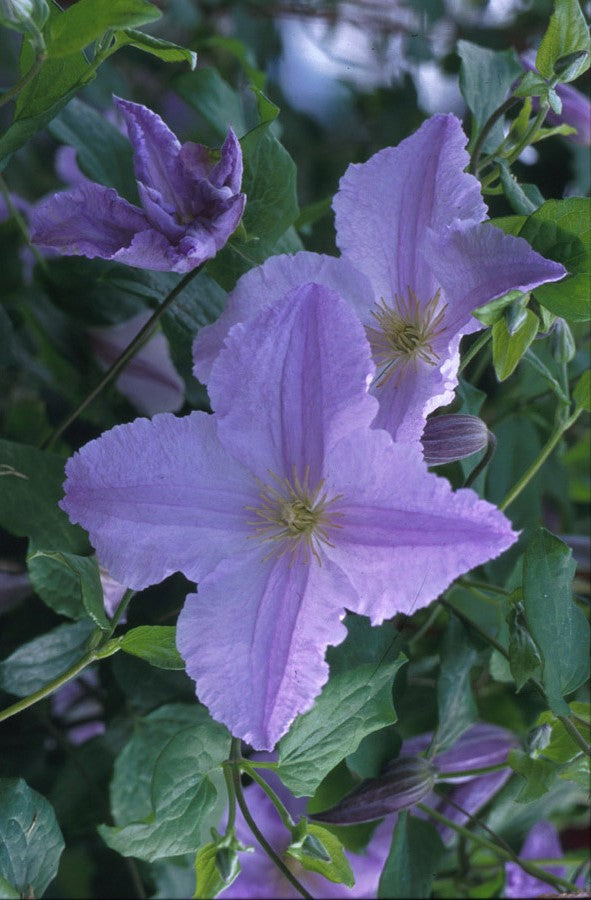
[562, 343]
[452, 437]
[227, 864]
[405, 781]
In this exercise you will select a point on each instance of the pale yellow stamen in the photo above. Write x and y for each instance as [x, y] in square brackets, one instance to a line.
[294, 517]
[404, 333]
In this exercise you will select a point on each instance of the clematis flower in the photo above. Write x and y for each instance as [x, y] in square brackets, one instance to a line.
[149, 380]
[542, 842]
[260, 879]
[416, 261]
[409, 780]
[285, 506]
[190, 203]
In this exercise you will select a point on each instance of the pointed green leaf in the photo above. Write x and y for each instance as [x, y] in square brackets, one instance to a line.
[88, 20]
[567, 34]
[486, 77]
[412, 862]
[31, 842]
[68, 583]
[36, 663]
[154, 643]
[318, 850]
[559, 628]
[582, 391]
[509, 348]
[539, 775]
[164, 50]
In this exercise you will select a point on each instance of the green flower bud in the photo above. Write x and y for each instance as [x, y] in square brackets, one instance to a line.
[562, 343]
[24, 15]
[227, 864]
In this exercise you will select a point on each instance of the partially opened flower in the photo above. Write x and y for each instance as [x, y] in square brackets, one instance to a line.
[409, 779]
[416, 261]
[149, 380]
[190, 203]
[285, 506]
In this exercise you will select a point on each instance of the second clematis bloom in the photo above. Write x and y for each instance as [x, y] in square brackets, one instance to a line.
[190, 196]
[285, 506]
[417, 259]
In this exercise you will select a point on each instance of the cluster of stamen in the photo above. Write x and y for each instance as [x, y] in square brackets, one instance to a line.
[295, 518]
[404, 333]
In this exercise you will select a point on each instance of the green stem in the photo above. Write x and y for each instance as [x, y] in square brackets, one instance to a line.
[17, 87]
[468, 621]
[491, 446]
[123, 604]
[575, 734]
[469, 773]
[487, 128]
[530, 135]
[283, 813]
[539, 462]
[236, 760]
[130, 351]
[483, 586]
[94, 654]
[531, 868]
[231, 799]
[475, 349]
[427, 624]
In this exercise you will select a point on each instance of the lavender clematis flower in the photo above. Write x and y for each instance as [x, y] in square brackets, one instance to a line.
[149, 380]
[285, 506]
[260, 879]
[542, 842]
[416, 261]
[190, 204]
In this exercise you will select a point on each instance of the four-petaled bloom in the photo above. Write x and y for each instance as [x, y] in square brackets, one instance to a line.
[285, 506]
[416, 261]
[190, 203]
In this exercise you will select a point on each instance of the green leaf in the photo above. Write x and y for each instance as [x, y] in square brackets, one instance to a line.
[509, 348]
[562, 748]
[486, 77]
[164, 50]
[352, 704]
[7, 891]
[154, 643]
[216, 867]
[455, 703]
[102, 152]
[557, 625]
[184, 796]
[36, 663]
[566, 34]
[509, 225]
[88, 20]
[531, 85]
[318, 850]
[518, 199]
[524, 658]
[31, 842]
[130, 789]
[30, 490]
[561, 230]
[207, 92]
[412, 862]
[582, 391]
[69, 584]
[494, 310]
[269, 183]
[539, 775]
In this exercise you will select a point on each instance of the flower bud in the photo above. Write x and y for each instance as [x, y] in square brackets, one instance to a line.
[405, 781]
[227, 864]
[562, 343]
[22, 15]
[452, 437]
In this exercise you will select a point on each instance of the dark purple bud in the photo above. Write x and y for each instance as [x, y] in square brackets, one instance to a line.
[405, 781]
[449, 438]
[482, 745]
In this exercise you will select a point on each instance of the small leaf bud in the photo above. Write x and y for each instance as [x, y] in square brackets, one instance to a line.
[562, 343]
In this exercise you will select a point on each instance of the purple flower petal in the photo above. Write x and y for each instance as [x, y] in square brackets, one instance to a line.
[472, 796]
[156, 151]
[476, 264]
[384, 206]
[403, 534]
[307, 389]
[159, 497]
[482, 745]
[90, 220]
[265, 285]
[542, 842]
[254, 640]
[149, 380]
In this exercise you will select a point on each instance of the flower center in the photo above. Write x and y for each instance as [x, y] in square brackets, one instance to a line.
[294, 517]
[404, 333]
